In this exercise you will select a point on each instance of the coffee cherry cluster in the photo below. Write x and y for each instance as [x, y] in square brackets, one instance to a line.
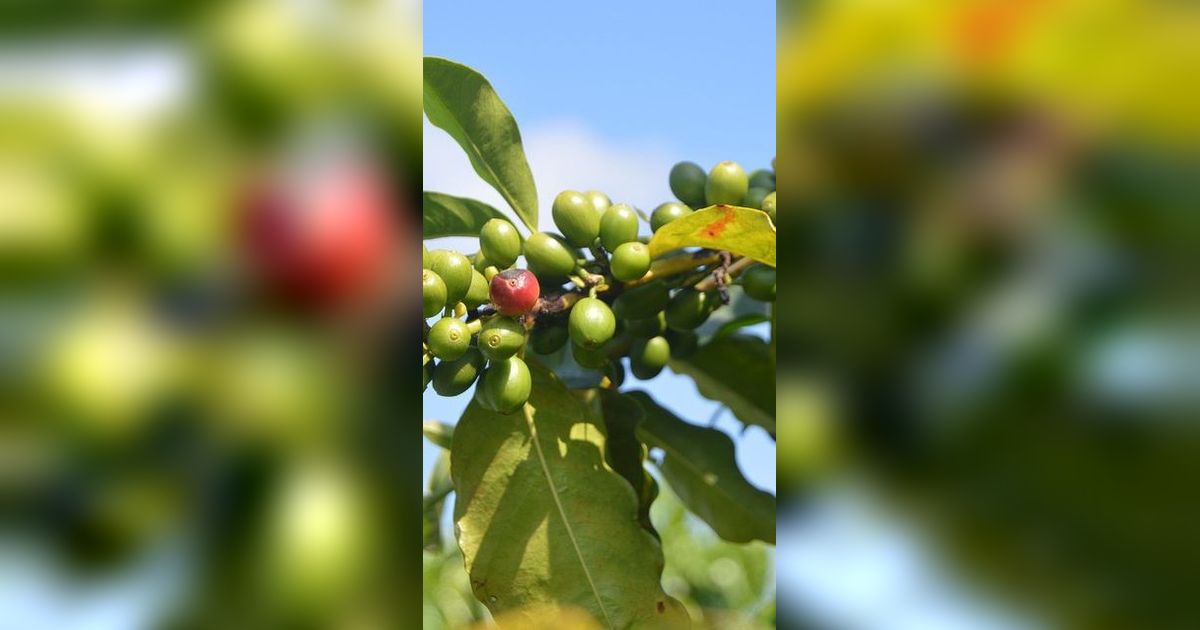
[590, 285]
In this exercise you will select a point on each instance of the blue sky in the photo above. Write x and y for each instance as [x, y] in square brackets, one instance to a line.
[609, 96]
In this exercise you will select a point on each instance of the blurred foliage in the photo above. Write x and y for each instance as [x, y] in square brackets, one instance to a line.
[993, 211]
[156, 387]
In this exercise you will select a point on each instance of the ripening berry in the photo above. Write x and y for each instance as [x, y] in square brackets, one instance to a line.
[514, 292]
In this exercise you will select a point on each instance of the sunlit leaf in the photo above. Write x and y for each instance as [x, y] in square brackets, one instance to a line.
[700, 466]
[625, 453]
[541, 517]
[743, 231]
[462, 102]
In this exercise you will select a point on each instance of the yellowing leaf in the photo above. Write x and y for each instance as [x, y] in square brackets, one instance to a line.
[743, 231]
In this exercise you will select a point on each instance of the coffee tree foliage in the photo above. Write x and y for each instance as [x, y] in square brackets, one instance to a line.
[549, 463]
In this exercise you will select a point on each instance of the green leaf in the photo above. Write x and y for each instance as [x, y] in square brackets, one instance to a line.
[699, 465]
[439, 433]
[740, 322]
[462, 102]
[737, 370]
[743, 231]
[447, 215]
[435, 502]
[625, 453]
[542, 518]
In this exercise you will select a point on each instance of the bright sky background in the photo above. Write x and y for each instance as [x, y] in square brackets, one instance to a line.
[609, 96]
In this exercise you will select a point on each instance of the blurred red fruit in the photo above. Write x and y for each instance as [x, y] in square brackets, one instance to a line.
[324, 238]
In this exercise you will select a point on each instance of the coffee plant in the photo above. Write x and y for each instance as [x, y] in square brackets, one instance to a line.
[548, 462]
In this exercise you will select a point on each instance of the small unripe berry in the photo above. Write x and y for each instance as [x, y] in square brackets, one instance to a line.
[548, 340]
[754, 198]
[687, 181]
[758, 281]
[500, 242]
[451, 378]
[688, 309]
[762, 178]
[449, 338]
[599, 200]
[591, 323]
[507, 384]
[768, 205]
[667, 212]
[433, 293]
[514, 292]
[630, 261]
[653, 352]
[455, 271]
[618, 225]
[576, 217]
[501, 337]
[479, 291]
[548, 257]
[727, 183]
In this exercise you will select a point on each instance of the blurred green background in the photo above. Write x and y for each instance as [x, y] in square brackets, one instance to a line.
[990, 322]
[207, 211]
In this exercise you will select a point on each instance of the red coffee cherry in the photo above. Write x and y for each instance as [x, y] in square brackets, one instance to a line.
[515, 291]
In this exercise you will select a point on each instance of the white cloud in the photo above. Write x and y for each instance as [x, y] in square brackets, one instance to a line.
[563, 155]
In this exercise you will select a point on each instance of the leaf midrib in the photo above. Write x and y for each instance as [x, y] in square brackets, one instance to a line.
[496, 181]
[562, 512]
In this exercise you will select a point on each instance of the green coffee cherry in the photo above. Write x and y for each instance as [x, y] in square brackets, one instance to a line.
[501, 337]
[688, 309]
[758, 281]
[642, 301]
[754, 198]
[500, 242]
[654, 352]
[424, 256]
[666, 213]
[630, 261]
[479, 292]
[646, 327]
[426, 375]
[479, 261]
[433, 293]
[683, 343]
[687, 181]
[576, 218]
[648, 356]
[507, 384]
[449, 338]
[455, 271]
[548, 340]
[762, 178]
[490, 273]
[590, 358]
[591, 323]
[768, 205]
[548, 257]
[727, 183]
[600, 201]
[451, 378]
[618, 225]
